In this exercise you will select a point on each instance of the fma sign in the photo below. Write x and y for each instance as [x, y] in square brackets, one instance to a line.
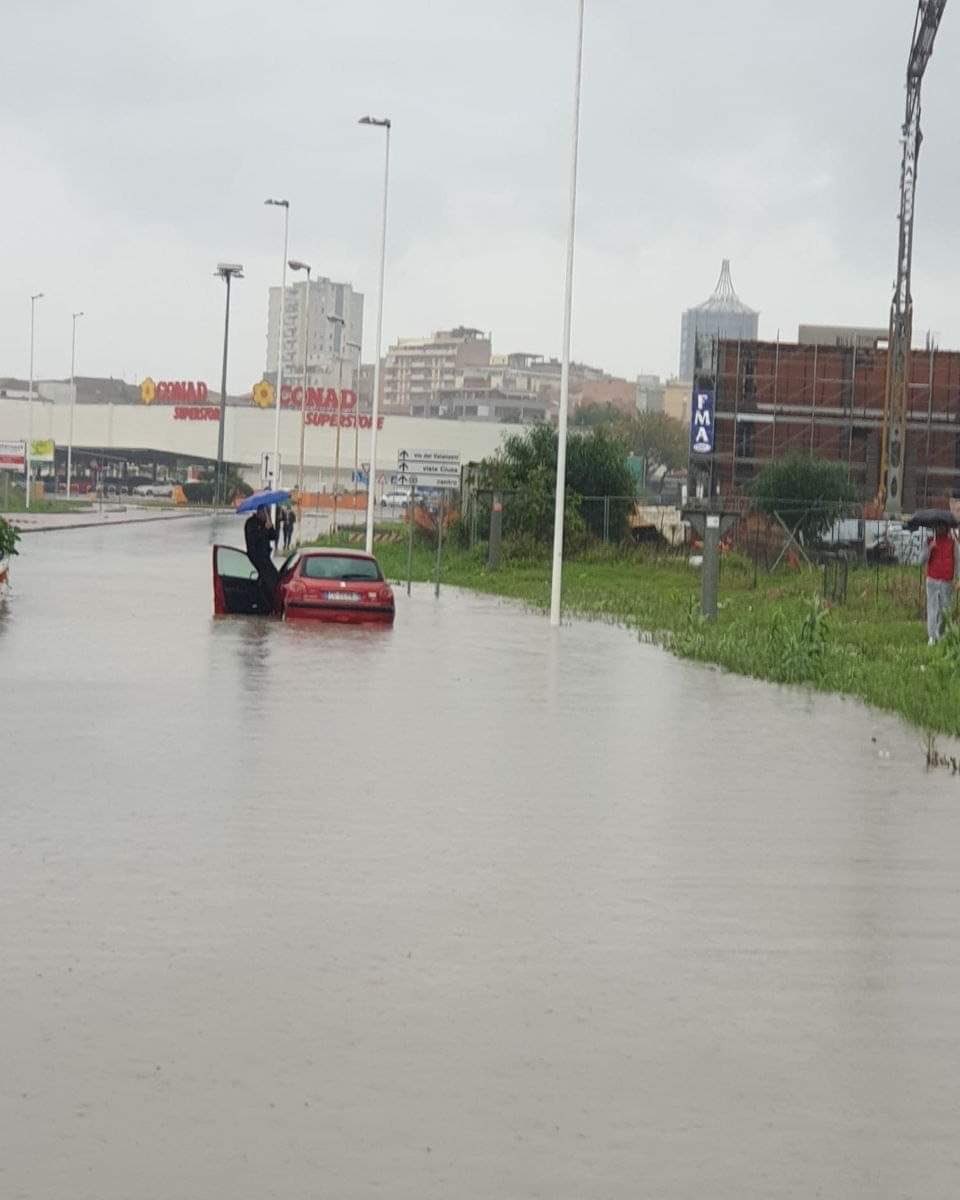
[701, 423]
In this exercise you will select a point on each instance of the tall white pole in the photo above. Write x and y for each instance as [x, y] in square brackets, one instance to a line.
[33, 309]
[303, 395]
[557, 578]
[73, 400]
[276, 472]
[375, 411]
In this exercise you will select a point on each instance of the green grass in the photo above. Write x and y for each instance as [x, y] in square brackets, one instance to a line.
[15, 504]
[873, 647]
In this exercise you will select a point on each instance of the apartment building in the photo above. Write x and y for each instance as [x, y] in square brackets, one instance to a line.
[416, 370]
[333, 312]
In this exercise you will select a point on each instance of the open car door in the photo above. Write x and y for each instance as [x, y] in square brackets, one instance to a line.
[236, 584]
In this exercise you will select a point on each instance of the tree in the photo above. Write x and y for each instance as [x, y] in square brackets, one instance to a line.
[527, 468]
[807, 494]
[659, 439]
[589, 416]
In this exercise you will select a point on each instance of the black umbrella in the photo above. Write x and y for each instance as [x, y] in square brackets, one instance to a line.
[928, 517]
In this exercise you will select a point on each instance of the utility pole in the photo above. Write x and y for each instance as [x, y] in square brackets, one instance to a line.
[73, 399]
[385, 124]
[296, 265]
[33, 318]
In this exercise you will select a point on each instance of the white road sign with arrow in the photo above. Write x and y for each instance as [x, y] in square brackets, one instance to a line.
[432, 468]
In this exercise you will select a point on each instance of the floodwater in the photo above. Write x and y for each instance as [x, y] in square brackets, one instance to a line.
[465, 909]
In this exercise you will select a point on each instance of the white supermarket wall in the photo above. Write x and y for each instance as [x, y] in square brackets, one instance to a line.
[247, 433]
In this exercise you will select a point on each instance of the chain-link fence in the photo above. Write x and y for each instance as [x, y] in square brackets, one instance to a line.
[772, 534]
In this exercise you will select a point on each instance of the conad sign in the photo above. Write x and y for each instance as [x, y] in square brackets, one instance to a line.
[292, 397]
[167, 391]
[196, 412]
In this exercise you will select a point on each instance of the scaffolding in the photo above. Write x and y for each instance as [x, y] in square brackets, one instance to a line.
[775, 399]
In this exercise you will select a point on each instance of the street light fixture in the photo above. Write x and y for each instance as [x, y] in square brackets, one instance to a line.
[559, 505]
[33, 309]
[274, 480]
[73, 399]
[227, 272]
[296, 265]
[380, 123]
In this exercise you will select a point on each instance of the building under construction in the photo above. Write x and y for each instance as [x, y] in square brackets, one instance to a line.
[890, 413]
[774, 399]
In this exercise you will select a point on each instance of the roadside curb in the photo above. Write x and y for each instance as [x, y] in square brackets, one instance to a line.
[24, 530]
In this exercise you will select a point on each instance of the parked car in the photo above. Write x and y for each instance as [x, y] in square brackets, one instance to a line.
[395, 499]
[154, 489]
[321, 584]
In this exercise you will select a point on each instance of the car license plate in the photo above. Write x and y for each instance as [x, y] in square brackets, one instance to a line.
[348, 597]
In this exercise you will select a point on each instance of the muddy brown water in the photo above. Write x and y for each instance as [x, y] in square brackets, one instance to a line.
[461, 909]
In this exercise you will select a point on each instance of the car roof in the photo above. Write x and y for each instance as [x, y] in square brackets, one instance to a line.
[337, 551]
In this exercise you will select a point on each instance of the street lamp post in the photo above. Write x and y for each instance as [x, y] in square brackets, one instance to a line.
[33, 310]
[356, 422]
[73, 399]
[381, 123]
[296, 265]
[558, 512]
[227, 272]
[335, 320]
[274, 480]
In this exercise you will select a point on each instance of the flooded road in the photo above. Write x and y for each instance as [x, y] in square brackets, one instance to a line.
[464, 909]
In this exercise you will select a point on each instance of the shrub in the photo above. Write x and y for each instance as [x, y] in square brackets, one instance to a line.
[807, 494]
[9, 536]
[198, 493]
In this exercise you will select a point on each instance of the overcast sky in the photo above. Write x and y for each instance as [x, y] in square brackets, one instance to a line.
[140, 141]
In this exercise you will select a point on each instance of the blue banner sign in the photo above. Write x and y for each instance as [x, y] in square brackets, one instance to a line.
[702, 422]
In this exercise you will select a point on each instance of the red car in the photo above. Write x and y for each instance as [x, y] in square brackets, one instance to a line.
[322, 584]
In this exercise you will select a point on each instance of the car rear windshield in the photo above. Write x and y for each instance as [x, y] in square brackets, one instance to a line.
[335, 566]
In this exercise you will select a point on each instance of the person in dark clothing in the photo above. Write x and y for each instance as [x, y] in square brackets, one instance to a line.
[259, 533]
[289, 520]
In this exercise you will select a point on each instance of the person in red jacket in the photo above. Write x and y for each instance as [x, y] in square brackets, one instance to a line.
[942, 562]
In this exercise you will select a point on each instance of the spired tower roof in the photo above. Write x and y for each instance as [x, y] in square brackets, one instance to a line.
[724, 298]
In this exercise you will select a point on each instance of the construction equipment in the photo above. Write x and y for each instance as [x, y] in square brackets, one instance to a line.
[893, 443]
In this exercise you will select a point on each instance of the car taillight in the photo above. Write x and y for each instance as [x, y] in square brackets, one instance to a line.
[386, 595]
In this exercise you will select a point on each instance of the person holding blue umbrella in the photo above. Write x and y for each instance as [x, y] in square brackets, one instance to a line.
[258, 534]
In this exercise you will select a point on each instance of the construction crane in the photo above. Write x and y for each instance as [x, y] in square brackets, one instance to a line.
[893, 441]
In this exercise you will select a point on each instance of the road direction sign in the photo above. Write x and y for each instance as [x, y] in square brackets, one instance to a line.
[433, 468]
[451, 458]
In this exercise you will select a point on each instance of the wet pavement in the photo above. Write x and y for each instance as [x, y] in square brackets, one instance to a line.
[459, 909]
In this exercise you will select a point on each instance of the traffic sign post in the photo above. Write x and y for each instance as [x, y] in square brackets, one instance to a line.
[436, 589]
[413, 488]
[269, 469]
[438, 469]
[13, 457]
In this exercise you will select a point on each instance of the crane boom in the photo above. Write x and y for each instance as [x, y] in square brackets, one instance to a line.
[893, 442]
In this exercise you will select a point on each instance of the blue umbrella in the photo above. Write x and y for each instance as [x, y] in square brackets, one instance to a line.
[260, 499]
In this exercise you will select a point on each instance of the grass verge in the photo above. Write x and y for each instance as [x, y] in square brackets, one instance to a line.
[872, 647]
[14, 504]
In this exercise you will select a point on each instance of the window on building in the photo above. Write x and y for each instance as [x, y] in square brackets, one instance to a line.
[746, 431]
